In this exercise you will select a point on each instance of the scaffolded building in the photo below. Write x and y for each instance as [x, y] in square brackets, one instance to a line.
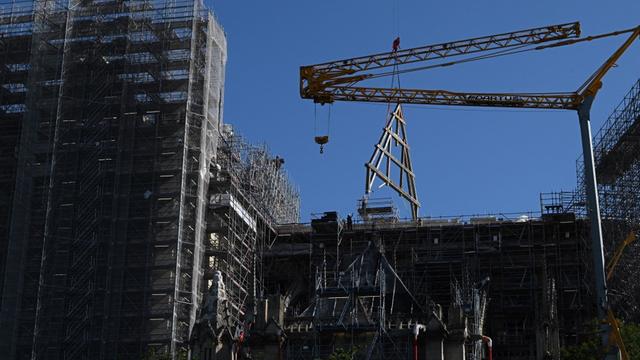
[249, 194]
[133, 222]
[15, 48]
[617, 154]
[110, 120]
[617, 160]
[369, 286]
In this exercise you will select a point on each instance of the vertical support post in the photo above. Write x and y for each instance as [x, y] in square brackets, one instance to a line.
[593, 211]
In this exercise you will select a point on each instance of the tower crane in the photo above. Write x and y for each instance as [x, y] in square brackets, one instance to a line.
[340, 81]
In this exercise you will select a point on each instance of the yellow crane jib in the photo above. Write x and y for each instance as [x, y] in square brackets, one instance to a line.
[316, 79]
[615, 337]
[339, 80]
[617, 255]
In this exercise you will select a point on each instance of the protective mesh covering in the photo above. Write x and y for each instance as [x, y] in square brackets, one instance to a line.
[16, 26]
[116, 108]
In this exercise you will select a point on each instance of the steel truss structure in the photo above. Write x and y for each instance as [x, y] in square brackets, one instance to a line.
[397, 171]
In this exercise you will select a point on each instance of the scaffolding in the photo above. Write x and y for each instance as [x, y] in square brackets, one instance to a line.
[16, 19]
[249, 194]
[352, 288]
[537, 269]
[261, 177]
[616, 150]
[120, 122]
[472, 299]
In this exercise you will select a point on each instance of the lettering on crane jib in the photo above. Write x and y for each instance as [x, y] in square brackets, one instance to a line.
[495, 98]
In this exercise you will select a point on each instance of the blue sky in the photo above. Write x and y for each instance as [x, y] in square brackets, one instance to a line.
[466, 160]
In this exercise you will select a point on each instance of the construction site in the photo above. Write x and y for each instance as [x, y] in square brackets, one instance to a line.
[136, 224]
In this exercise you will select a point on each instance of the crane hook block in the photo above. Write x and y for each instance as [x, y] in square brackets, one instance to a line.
[321, 140]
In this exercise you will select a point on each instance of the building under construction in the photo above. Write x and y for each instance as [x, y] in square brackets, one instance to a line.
[111, 115]
[134, 224]
[374, 284]
[436, 288]
[117, 212]
[616, 149]
[517, 287]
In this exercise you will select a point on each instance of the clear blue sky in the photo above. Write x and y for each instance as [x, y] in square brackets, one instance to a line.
[466, 160]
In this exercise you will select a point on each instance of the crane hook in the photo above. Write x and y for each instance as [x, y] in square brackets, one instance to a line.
[322, 140]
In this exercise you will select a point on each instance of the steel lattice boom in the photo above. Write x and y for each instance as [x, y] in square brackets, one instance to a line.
[338, 80]
[443, 97]
[315, 79]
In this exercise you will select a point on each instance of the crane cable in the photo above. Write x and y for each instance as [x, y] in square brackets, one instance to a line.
[511, 51]
[395, 71]
[318, 138]
[475, 58]
[396, 17]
